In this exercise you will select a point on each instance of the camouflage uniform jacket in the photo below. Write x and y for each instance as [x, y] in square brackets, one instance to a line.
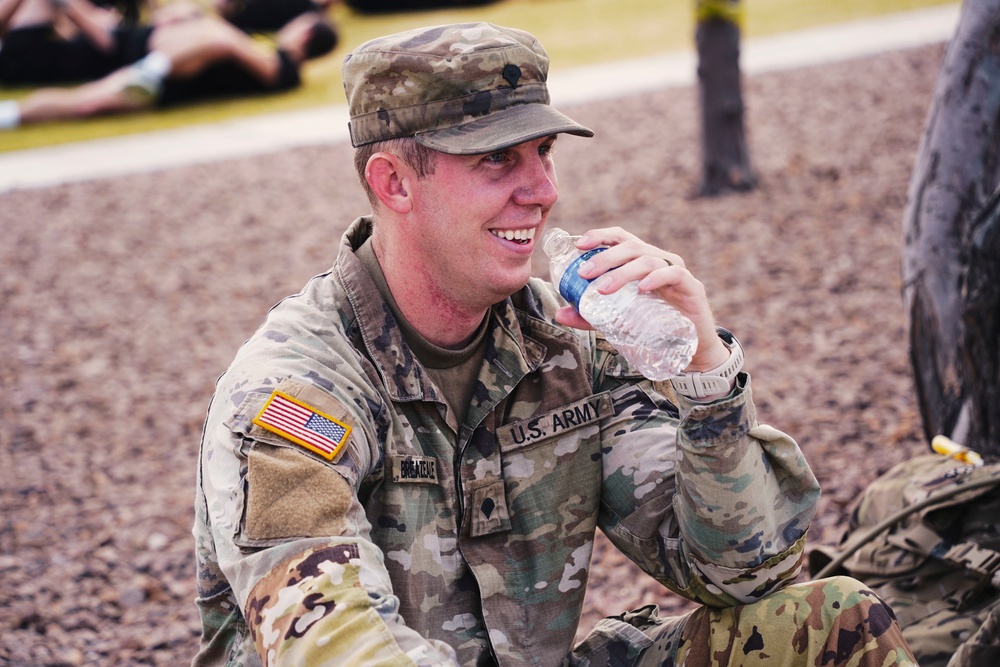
[425, 541]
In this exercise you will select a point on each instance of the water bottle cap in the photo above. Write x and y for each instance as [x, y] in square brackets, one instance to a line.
[554, 237]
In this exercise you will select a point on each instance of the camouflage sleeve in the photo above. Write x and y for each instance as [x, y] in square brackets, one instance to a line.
[702, 497]
[293, 542]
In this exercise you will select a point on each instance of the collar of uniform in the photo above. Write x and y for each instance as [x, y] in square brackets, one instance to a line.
[511, 353]
[402, 374]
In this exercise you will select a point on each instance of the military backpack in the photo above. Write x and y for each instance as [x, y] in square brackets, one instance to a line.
[926, 538]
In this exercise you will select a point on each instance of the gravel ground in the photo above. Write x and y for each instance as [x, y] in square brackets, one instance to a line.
[122, 300]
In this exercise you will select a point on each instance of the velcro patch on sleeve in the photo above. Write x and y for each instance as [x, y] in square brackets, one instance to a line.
[283, 486]
[303, 424]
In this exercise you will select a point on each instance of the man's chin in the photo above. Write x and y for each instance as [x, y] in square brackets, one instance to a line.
[510, 287]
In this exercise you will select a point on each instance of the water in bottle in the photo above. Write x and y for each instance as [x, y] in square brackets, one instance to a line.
[656, 338]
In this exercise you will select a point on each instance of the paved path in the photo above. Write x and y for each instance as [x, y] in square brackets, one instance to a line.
[43, 167]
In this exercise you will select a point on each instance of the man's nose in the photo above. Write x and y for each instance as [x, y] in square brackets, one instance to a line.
[539, 186]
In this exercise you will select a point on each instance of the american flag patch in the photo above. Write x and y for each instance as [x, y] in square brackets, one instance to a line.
[303, 425]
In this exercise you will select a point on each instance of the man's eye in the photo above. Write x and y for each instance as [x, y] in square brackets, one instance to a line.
[496, 158]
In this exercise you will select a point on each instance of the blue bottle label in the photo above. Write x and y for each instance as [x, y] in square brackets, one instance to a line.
[571, 285]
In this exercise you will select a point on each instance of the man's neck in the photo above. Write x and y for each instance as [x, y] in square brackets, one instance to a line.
[439, 318]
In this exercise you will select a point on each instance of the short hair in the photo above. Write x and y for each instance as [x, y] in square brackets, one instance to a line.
[421, 159]
[323, 38]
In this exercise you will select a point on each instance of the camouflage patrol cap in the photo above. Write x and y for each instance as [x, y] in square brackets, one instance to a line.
[464, 89]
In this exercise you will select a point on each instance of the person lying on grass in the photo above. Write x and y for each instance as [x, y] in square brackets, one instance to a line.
[200, 58]
[50, 42]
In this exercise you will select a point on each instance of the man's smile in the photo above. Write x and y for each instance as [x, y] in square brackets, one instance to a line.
[519, 235]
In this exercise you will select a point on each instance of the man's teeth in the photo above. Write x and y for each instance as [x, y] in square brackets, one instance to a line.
[515, 234]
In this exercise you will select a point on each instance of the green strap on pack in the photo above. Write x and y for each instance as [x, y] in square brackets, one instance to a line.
[969, 555]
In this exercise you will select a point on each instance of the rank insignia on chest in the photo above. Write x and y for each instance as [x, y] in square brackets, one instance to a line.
[303, 424]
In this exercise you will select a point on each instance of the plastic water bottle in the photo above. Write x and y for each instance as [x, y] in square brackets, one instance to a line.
[656, 338]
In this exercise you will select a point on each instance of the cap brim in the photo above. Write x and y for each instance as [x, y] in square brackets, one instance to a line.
[501, 129]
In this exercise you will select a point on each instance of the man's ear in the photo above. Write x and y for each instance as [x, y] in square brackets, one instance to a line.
[388, 177]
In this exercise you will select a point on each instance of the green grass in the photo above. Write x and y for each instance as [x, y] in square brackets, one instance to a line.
[575, 32]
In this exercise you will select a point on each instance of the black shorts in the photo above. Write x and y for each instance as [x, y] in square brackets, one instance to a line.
[131, 43]
[269, 15]
[386, 6]
[36, 55]
[228, 79]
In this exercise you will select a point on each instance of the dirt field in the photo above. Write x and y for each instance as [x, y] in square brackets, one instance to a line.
[122, 301]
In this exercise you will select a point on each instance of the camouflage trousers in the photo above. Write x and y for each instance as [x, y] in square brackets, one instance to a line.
[983, 648]
[957, 638]
[834, 622]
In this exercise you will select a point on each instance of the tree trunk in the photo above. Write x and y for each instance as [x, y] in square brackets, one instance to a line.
[981, 340]
[725, 157]
[950, 240]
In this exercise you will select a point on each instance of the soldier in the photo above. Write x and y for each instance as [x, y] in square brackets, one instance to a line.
[190, 60]
[407, 463]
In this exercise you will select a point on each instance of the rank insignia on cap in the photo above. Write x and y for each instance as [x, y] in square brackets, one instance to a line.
[303, 425]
